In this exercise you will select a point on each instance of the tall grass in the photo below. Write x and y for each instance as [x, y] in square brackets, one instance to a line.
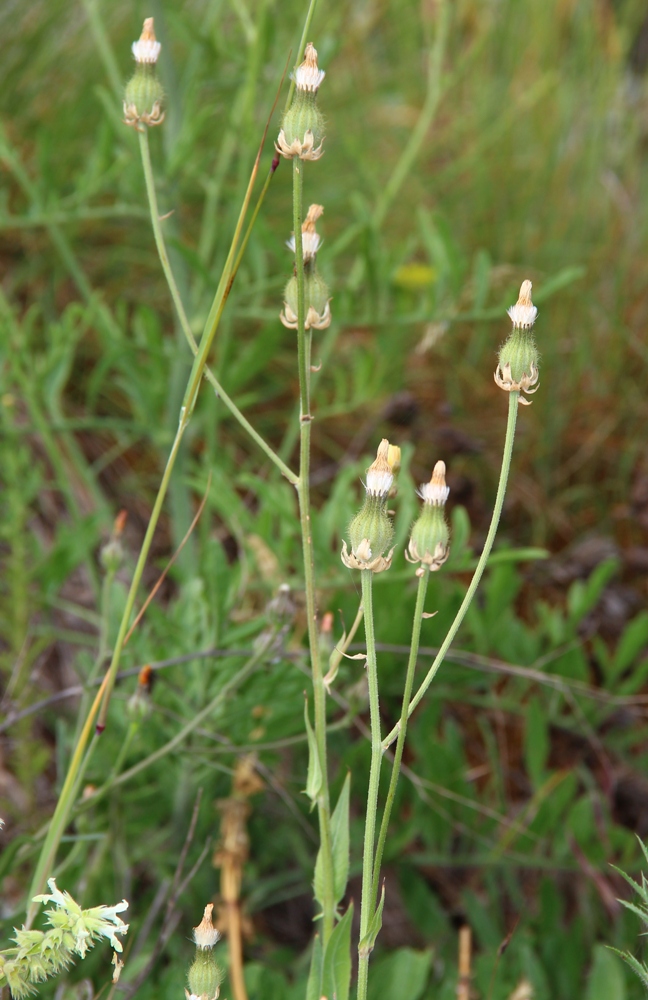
[527, 159]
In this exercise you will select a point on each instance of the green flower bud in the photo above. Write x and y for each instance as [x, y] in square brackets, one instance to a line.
[317, 310]
[302, 126]
[144, 93]
[205, 976]
[430, 539]
[517, 369]
[303, 116]
[371, 531]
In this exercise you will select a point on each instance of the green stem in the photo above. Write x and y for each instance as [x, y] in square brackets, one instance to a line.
[67, 796]
[481, 565]
[303, 494]
[182, 316]
[398, 754]
[300, 50]
[102, 652]
[139, 567]
[367, 900]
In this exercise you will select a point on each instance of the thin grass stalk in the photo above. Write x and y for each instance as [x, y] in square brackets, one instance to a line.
[303, 494]
[481, 565]
[67, 796]
[177, 300]
[367, 900]
[400, 743]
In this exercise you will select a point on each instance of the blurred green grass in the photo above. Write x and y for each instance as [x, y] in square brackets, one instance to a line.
[534, 166]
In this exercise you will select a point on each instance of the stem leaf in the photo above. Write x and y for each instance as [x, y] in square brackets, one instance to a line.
[366, 944]
[336, 972]
[339, 849]
[314, 985]
[314, 777]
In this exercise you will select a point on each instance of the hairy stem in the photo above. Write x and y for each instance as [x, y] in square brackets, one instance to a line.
[303, 493]
[367, 901]
[400, 743]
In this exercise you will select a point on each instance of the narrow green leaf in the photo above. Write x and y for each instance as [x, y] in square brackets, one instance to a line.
[314, 986]
[336, 972]
[339, 847]
[314, 776]
[368, 941]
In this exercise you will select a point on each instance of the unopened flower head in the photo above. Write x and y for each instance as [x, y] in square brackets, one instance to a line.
[310, 237]
[205, 934]
[308, 76]
[371, 530]
[144, 93]
[517, 369]
[430, 538]
[147, 48]
[205, 975]
[317, 308]
[435, 492]
[302, 126]
[523, 313]
[379, 474]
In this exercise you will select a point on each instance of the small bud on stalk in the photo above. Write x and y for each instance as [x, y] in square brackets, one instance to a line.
[205, 975]
[430, 539]
[316, 297]
[371, 530]
[302, 126]
[517, 369]
[144, 93]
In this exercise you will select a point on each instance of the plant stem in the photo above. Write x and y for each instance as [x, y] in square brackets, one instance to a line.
[303, 494]
[139, 567]
[398, 753]
[300, 50]
[67, 796]
[367, 901]
[182, 316]
[481, 565]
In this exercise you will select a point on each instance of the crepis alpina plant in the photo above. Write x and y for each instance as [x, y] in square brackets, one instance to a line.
[370, 550]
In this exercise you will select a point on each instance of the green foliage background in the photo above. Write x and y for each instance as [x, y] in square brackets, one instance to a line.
[532, 164]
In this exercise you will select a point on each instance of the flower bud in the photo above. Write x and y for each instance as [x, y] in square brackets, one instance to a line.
[430, 538]
[517, 369]
[139, 705]
[302, 126]
[371, 530]
[144, 92]
[317, 309]
[205, 975]
[310, 237]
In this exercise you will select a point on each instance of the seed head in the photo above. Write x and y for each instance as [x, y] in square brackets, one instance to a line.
[429, 542]
[371, 530]
[523, 313]
[517, 369]
[302, 126]
[144, 93]
[308, 76]
[310, 237]
[205, 934]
